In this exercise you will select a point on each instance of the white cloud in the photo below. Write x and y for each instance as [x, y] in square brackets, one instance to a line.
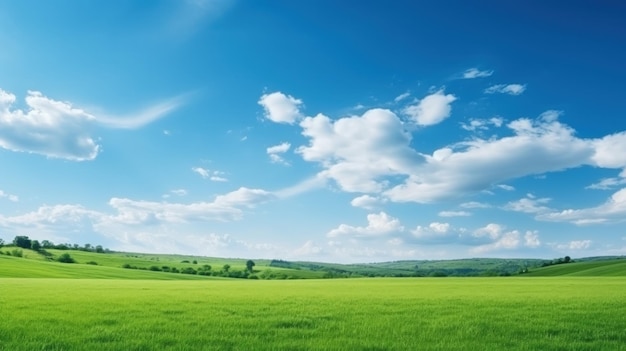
[436, 228]
[505, 187]
[203, 172]
[454, 214]
[476, 73]
[10, 197]
[531, 239]
[511, 89]
[177, 192]
[281, 108]
[365, 201]
[491, 230]
[143, 117]
[275, 151]
[401, 97]
[574, 245]
[57, 129]
[474, 204]
[215, 176]
[432, 109]
[607, 183]
[357, 151]
[528, 205]
[51, 128]
[536, 147]
[378, 224]
[613, 210]
[507, 241]
[482, 124]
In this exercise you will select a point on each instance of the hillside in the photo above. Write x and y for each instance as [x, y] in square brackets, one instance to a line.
[613, 267]
[125, 265]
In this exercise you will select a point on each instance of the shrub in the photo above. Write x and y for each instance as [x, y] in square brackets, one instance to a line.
[65, 258]
[155, 268]
[17, 253]
[127, 266]
[188, 270]
[92, 263]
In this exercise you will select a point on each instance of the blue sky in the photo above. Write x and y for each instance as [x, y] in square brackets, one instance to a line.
[350, 131]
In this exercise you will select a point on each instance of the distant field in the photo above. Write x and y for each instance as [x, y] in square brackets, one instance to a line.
[515, 313]
[605, 268]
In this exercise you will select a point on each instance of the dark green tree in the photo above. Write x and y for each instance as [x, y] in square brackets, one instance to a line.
[35, 245]
[567, 259]
[22, 241]
[250, 265]
[1, 243]
[99, 249]
[226, 268]
[46, 244]
[66, 258]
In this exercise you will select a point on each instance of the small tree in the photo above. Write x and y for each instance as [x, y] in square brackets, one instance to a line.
[250, 265]
[22, 241]
[567, 259]
[1, 243]
[46, 244]
[99, 249]
[35, 245]
[226, 267]
[66, 258]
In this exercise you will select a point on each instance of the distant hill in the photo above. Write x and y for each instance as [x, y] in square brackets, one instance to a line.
[125, 265]
[590, 267]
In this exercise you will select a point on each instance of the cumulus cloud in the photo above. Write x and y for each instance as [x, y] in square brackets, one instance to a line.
[501, 239]
[281, 108]
[433, 229]
[511, 89]
[528, 204]
[378, 224]
[432, 109]
[357, 151]
[50, 128]
[613, 210]
[275, 151]
[57, 129]
[472, 73]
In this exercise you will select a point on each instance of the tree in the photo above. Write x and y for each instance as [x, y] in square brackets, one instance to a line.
[22, 241]
[567, 259]
[66, 258]
[99, 249]
[46, 244]
[249, 265]
[35, 245]
[1, 243]
[226, 267]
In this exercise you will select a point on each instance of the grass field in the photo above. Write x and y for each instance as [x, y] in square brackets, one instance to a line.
[515, 313]
[606, 268]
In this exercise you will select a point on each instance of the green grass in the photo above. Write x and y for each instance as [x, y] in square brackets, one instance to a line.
[355, 314]
[22, 267]
[608, 268]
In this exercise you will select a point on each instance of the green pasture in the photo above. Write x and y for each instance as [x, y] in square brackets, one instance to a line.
[614, 267]
[512, 313]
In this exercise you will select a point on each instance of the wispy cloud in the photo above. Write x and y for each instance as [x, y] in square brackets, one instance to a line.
[145, 116]
[476, 73]
[10, 197]
[511, 89]
[275, 152]
[216, 176]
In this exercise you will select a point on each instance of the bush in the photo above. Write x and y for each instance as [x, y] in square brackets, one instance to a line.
[127, 266]
[66, 258]
[155, 268]
[92, 263]
[17, 253]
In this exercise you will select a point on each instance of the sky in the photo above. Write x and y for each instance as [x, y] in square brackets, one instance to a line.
[319, 130]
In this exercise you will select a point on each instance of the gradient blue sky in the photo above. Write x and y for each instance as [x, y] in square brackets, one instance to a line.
[346, 131]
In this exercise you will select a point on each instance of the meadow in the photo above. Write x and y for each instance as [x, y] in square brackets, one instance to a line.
[504, 313]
